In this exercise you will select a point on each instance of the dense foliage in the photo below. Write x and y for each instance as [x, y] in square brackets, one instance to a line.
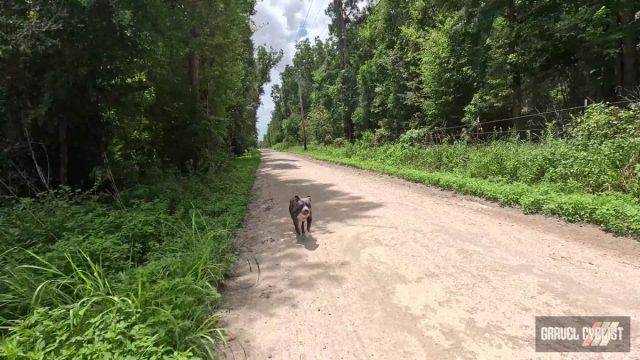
[86, 83]
[418, 65]
[89, 277]
[591, 176]
[119, 124]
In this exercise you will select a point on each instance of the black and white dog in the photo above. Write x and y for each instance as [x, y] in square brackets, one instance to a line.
[300, 210]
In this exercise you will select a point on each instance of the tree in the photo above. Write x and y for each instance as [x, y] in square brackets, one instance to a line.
[130, 85]
[456, 65]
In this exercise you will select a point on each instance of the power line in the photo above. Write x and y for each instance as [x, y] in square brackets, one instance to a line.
[315, 17]
[308, 11]
[304, 23]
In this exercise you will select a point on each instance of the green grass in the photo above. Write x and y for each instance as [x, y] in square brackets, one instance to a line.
[90, 277]
[615, 211]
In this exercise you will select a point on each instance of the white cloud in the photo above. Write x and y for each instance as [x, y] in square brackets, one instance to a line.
[278, 23]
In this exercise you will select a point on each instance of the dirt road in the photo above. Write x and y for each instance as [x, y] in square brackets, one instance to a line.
[395, 270]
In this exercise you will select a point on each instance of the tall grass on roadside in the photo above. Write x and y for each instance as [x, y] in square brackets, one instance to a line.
[88, 278]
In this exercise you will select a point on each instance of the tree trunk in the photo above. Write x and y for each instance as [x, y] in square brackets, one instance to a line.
[514, 69]
[342, 40]
[516, 88]
[617, 70]
[629, 52]
[303, 121]
[194, 66]
[194, 71]
[63, 144]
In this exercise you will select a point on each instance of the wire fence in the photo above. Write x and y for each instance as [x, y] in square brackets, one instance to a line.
[533, 126]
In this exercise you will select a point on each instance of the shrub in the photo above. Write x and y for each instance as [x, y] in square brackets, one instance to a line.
[340, 142]
[415, 137]
[321, 129]
[381, 136]
[601, 122]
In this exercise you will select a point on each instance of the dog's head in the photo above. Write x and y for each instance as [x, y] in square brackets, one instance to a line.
[306, 206]
[301, 205]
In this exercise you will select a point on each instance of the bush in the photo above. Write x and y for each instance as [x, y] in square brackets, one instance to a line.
[340, 142]
[415, 137]
[381, 136]
[601, 122]
[321, 129]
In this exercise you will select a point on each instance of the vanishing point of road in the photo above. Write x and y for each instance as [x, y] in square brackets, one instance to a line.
[396, 270]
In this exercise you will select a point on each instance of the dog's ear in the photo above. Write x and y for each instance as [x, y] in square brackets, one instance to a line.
[309, 196]
[296, 197]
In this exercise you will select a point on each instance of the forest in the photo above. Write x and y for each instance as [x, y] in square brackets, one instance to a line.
[129, 84]
[453, 68]
[534, 104]
[127, 153]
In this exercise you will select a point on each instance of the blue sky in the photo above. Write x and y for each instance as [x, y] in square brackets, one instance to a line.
[278, 23]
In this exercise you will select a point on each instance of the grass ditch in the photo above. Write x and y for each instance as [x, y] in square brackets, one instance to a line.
[85, 276]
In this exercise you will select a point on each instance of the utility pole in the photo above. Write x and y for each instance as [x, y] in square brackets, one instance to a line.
[344, 48]
[514, 69]
[629, 53]
[303, 121]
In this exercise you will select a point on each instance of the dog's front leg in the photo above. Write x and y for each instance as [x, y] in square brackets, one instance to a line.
[302, 226]
[295, 224]
[309, 224]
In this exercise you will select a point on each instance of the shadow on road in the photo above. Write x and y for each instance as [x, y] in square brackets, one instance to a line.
[273, 262]
[281, 166]
[308, 241]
